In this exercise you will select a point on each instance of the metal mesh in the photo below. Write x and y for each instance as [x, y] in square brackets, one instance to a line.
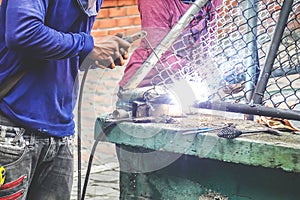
[225, 53]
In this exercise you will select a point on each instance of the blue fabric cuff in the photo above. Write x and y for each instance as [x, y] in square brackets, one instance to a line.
[87, 47]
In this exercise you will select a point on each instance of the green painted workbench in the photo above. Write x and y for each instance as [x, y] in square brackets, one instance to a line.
[160, 161]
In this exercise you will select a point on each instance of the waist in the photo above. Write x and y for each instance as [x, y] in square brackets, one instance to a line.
[6, 121]
[13, 127]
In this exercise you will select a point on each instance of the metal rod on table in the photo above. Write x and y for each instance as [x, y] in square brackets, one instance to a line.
[275, 43]
[256, 109]
[164, 44]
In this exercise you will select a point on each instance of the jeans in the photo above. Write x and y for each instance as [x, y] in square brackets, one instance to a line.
[38, 167]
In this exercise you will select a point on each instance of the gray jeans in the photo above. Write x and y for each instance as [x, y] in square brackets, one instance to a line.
[38, 167]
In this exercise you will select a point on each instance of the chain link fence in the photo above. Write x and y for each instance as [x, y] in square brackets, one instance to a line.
[242, 56]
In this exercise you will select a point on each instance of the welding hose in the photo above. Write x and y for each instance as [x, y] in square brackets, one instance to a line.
[130, 39]
[79, 132]
[79, 195]
[91, 158]
[105, 130]
[88, 171]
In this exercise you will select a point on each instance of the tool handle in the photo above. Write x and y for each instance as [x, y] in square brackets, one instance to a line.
[135, 36]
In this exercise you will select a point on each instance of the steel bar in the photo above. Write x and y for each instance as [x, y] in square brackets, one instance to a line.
[254, 109]
[252, 62]
[165, 44]
[251, 15]
[285, 72]
[275, 43]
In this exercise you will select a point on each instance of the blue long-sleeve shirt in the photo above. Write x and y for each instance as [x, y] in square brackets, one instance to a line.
[48, 39]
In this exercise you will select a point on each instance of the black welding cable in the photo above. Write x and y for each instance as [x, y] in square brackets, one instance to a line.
[87, 176]
[79, 195]
[79, 133]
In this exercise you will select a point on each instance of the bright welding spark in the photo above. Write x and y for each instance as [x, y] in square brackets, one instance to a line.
[184, 93]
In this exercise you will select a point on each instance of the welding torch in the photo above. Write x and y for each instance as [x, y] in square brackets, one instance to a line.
[135, 36]
[131, 38]
[92, 62]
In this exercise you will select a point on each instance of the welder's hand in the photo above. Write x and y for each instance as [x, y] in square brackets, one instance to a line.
[109, 52]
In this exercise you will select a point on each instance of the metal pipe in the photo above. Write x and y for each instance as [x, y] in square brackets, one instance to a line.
[275, 43]
[79, 128]
[256, 109]
[252, 62]
[285, 72]
[165, 44]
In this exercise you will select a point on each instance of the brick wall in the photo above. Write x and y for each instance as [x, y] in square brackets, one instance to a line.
[117, 16]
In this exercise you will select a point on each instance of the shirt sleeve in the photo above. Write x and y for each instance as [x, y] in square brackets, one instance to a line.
[26, 31]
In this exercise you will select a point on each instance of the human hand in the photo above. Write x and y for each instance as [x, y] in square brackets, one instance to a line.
[109, 52]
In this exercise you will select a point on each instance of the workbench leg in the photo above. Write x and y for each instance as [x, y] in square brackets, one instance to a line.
[138, 182]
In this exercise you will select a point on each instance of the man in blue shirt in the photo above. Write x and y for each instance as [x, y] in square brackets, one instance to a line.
[50, 41]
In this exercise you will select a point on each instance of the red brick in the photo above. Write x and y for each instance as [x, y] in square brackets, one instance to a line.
[117, 16]
[126, 2]
[136, 20]
[132, 10]
[104, 13]
[99, 33]
[105, 23]
[117, 12]
[129, 31]
[109, 3]
[124, 31]
[113, 3]
[96, 24]
[126, 21]
[115, 31]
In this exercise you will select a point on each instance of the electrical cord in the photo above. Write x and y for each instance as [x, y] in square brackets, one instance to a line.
[79, 132]
[81, 196]
[88, 171]
[129, 39]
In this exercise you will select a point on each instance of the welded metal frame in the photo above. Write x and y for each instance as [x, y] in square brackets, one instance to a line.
[254, 107]
[273, 49]
[254, 102]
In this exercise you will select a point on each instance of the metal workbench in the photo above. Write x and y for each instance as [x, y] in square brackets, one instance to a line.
[160, 161]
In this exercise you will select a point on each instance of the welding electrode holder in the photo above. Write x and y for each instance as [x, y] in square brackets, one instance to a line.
[90, 63]
[135, 36]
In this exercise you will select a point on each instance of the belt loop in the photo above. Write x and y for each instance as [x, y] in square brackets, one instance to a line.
[19, 133]
[2, 133]
[32, 139]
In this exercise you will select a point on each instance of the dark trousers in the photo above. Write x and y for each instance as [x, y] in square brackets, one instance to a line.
[38, 167]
